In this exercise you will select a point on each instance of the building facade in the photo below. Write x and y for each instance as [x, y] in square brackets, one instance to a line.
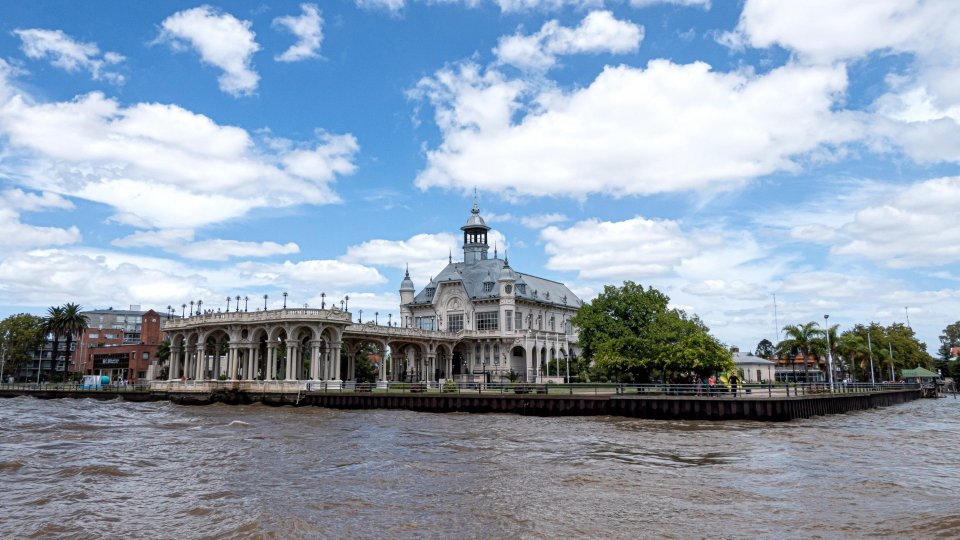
[477, 320]
[504, 320]
[122, 344]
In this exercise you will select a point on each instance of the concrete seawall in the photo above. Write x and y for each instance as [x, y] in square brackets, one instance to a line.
[654, 407]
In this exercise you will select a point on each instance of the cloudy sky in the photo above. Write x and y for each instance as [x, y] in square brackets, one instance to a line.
[155, 153]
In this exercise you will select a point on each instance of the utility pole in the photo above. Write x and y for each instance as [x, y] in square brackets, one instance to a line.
[893, 377]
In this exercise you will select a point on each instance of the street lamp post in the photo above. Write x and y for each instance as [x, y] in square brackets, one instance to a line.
[191, 308]
[389, 319]
[238, 303]
[376, 318]
[228, 304]
[826, 330]
[169, 308]
[346, 303]
[284, 299]
[361, 316]
[246, 302]
[183, 311]
[199, 306]
[265, 302]
[323, 300]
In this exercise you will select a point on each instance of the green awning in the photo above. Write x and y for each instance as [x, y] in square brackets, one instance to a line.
[919, 373]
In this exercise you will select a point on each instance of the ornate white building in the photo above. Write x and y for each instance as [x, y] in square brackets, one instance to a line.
[477, 319]
[502, 319]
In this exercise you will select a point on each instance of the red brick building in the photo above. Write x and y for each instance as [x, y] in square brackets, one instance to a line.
[122, 344]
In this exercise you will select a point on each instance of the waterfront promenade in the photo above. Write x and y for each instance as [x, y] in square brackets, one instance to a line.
[750, 402]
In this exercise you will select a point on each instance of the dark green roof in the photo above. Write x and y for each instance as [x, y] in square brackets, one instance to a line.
[919, 373]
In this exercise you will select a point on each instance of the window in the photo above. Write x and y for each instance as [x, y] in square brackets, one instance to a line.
[94, 335]
[146, 356]
[552, 324]
[487, 320]
[487, 286]
[430, 291]
[425, 323]
[486, 353]
[109, 336]
[455, 322]
[476, 355]
[518, 322]
[508, 319]
[521, 288]
[496, 354]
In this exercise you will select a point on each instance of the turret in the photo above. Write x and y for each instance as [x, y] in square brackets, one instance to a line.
[475, 247]
[406, 297]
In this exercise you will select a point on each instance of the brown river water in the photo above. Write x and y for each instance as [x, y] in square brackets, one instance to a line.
[87, 469]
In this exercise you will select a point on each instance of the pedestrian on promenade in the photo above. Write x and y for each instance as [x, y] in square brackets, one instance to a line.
[699, 386]
[710, 383]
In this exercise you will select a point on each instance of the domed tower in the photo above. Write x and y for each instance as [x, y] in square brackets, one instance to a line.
[406, 298]
[475, 247]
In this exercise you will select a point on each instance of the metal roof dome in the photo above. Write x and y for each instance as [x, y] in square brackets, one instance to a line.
[407, 283]
[475, 221]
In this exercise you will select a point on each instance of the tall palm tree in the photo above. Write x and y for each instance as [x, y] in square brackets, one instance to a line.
[53, 324]
[802, 339]
[853, 347]
[73, 322]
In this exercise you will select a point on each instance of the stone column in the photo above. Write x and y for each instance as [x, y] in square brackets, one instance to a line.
[231, 362]
[411, 364]
[271, 361]
[336, 362]
[315, 360]
[383, 363]
[291, 358]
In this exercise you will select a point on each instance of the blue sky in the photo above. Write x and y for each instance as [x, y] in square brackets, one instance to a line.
[155, 153]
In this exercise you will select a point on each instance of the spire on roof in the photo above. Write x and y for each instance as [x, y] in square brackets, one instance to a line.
[494, 250]
[476, 208]
[506, 258]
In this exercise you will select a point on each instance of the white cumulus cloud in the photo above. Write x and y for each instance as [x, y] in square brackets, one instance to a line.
[308, 28]
[632, 131]
[221, 39]
[69, 54]
[598, 32]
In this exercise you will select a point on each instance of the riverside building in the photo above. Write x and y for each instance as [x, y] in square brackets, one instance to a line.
[477, 319]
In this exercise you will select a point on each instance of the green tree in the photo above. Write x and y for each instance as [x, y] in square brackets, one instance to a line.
[949, 339]
[20, 336]
[853, 348]
[630, 332]
[365, 370]
[801, 338]
[765, 349]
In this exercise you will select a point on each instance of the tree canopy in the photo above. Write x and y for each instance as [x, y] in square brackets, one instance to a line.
[631, 331]
[20, 336]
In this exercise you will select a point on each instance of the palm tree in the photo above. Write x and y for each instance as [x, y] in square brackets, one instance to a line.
[53, 324]
[802, 339]
[73, 322]
[854, 348]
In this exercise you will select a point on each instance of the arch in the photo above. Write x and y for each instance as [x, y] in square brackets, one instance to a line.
[518, 361]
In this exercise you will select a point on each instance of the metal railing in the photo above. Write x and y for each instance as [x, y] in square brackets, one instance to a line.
[743, 391]
[74, 387]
